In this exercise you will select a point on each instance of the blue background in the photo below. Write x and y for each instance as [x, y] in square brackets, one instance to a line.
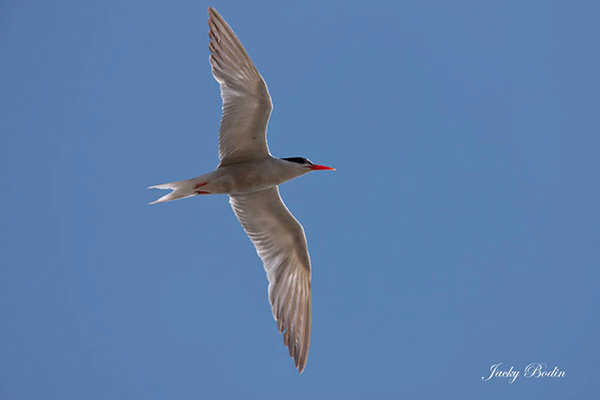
[460, 229]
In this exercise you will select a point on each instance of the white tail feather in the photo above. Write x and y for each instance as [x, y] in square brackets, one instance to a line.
[180, 190]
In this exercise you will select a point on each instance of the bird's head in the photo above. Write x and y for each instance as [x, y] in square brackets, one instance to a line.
[306, 164]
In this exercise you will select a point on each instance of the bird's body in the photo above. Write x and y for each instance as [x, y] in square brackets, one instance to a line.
[242, 178]
[249, 174]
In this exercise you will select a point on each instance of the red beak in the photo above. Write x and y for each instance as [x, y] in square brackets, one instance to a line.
[318, 167]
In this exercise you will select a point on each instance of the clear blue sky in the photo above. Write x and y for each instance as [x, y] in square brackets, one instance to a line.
[460, 230]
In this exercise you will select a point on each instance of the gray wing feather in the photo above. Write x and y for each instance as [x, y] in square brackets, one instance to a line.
[246, 101]
[281, 244]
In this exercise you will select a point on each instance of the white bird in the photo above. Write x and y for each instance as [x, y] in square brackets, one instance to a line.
[249, 174]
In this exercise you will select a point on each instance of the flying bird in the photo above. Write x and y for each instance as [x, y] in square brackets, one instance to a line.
[250, 175]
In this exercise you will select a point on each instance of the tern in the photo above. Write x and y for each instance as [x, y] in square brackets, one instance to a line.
[250, 175]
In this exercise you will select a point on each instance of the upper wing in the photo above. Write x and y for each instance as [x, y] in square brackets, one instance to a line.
[280, 242]
[246, 101]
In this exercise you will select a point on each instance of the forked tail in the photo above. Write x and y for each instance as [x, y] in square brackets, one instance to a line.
[180, 190]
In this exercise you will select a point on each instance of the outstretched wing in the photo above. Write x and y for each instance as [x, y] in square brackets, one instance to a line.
[246, 101]
[280, 242]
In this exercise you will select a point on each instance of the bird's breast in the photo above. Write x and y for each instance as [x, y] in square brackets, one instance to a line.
[246, 178]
